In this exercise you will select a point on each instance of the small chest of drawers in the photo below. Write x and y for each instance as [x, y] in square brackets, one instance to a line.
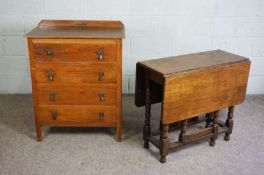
[76, 71]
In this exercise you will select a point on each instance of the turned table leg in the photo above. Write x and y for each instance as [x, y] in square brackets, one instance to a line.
[215, 128]
[209, 119]
[229, 122]
[183, 130]
[160, 126]
[164, 143]
[147, 128]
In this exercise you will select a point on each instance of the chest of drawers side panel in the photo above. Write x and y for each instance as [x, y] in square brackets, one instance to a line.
[119, 90]
[34, 89]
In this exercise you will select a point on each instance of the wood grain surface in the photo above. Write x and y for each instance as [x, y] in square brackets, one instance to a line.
[78, 29]
[84, 24]
[192, 94]
[76, 114]
[77, 73]
[78, 94]
[192, 62]
[189, 86]
[74, 50]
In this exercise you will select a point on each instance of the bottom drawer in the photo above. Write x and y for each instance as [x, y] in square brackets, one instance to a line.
[66, 114]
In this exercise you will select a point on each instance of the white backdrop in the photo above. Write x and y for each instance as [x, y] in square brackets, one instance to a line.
[154, 28]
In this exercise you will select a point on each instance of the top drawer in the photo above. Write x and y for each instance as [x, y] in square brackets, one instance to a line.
[75, 50]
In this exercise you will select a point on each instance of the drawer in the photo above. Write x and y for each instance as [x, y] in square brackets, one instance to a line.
[75, 50]
[76, 114]
[49, 94]
[77, 73]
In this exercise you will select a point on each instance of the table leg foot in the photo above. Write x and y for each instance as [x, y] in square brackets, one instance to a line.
[212, 143]
[215, 129]
[163, 159]
[227, 137]
[164, 143]
[229, 123]
[145, 136]
[146, 145]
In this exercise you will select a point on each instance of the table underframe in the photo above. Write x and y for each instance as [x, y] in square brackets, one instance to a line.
[212, 129]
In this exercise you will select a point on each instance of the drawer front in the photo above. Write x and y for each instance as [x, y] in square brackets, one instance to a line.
[50, 94]
[77, 114]
[74, 50]
[77, 73]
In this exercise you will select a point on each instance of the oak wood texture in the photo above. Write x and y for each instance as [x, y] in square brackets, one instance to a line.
[76, 70]
[78, 29]
[189, 86]
[192, 62]
[229, 122]
[193, 94]
[147, 129]
[81, 94]
[76, 114]
[68, 50]
[85, 24]
[207, 81]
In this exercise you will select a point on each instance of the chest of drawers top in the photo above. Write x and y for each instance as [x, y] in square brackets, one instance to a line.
[78, 29]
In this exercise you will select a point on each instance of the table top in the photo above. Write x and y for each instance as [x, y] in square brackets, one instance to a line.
[194, 84]
[191, 62]
[77, 29]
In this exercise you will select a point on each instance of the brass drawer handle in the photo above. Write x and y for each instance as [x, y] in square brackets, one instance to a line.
[101, 96]
[51, 75]
[101, 76]
[100, 54]
[52, 96]
[101, 115]
[54, 115]
[49, 52]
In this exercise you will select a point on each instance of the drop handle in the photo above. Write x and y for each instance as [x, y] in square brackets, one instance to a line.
[101, 115]
[100, 54]
[100, 76]
[101, 96]
[51, 75]
[49, 52]
[54, 115]
[52, 96]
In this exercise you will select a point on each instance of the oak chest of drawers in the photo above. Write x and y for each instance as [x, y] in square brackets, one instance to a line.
[76, 71]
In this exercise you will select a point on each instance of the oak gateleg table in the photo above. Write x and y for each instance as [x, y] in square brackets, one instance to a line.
[188, 86]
